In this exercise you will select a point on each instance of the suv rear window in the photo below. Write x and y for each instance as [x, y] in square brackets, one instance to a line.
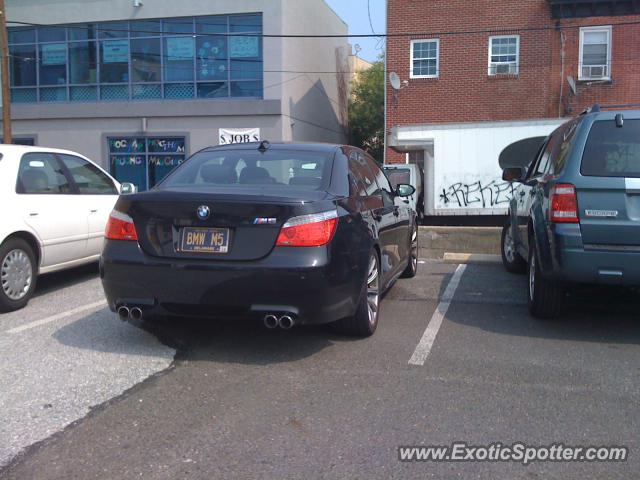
[612, 151]
[275, 168]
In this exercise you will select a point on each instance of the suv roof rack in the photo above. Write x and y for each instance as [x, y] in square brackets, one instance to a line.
[621, 106]
[592, 109]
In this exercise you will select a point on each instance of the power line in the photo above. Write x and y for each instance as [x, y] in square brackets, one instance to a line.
[346, 35]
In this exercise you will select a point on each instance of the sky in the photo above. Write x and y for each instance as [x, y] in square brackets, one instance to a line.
[354, 13]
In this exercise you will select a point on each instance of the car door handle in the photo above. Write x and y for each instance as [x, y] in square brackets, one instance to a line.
[522, 193]
[33, 214]
[94, 210]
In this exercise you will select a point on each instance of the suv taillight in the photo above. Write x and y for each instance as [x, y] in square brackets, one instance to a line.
[120, 227]
[564, 204]
[312, 230]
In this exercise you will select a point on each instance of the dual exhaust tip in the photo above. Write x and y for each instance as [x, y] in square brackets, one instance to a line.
[124, 313]
[285, 322]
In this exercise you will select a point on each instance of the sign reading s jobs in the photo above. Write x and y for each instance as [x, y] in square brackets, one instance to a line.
[228, 136]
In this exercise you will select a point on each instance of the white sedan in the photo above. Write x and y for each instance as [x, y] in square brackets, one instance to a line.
[54, 206]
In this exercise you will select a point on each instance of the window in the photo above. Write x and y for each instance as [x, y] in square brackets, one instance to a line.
[504, 53]
[138, 60]
[41, 174]
[87, 177]
[383, 183]
[425, 58]
[144, 161]
[397, 176]
[273, 169]
[612, 151]
[595, 53]
[360, 170]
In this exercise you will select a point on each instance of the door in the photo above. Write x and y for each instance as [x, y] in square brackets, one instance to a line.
[49, 205]
[98, 196]
[386, 215]
[609, 189]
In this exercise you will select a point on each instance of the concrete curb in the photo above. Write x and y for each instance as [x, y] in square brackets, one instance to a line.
[436, 241]
[472, 258]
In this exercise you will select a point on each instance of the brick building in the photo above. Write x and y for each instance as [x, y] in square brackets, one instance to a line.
[477, 75]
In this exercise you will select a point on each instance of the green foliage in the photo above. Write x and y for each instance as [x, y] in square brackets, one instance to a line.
[366, 111]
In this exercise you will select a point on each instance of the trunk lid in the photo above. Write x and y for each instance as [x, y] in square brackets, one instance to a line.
[610, 211]
[609, 189]
[253, 218]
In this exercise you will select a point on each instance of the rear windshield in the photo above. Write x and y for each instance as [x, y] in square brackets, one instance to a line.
[275, 169]
[397, 176]
[612, 151]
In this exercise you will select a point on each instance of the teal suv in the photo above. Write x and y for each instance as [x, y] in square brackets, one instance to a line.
[575, 214]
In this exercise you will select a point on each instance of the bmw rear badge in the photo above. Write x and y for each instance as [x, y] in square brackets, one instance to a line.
[203, 212]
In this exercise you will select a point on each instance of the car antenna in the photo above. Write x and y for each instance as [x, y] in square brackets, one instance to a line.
[264, 145]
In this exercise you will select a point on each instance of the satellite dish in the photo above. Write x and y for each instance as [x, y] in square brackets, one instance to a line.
[572, 84]
[394, 80]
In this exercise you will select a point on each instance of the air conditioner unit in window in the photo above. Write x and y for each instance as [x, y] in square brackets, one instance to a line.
[594, 71]
[505, 69]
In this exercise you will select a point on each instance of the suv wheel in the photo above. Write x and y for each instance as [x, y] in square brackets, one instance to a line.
[17, 274]
[511, 259]
[544, 296]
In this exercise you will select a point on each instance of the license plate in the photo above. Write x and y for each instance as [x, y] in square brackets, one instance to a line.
[205, 240]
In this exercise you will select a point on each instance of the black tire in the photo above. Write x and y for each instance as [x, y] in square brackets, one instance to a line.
[364, 322]
[511, 259]
[16, 253]
[544, 296]
[412, 263]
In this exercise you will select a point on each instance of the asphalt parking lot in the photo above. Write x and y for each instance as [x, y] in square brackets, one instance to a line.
[86, 396]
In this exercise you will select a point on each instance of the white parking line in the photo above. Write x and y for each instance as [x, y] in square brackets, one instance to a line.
[423, 349]
[59, 316]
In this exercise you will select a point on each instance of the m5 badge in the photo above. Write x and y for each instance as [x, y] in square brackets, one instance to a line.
[264, 221]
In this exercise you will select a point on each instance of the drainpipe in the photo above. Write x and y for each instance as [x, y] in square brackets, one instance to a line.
[563, 41]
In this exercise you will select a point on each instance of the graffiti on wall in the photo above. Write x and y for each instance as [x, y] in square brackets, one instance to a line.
[478, 194]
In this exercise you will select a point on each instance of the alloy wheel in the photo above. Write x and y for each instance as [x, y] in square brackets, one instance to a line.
[373, 289]
[414, 250]
[16, 274]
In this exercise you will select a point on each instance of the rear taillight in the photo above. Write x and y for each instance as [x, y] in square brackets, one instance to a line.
[308, 230]
[120, 227]
[564, 204]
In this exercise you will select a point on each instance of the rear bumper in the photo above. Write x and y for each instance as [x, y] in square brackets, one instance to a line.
[577, 263]
[312, 284]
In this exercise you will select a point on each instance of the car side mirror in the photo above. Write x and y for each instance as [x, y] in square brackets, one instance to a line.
[405, 190]
[513, 174]
[128, 188]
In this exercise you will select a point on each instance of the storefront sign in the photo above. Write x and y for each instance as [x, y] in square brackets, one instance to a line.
[228, 136]
[240, 47]
[180, 48]
[54, 54]
[115, 51]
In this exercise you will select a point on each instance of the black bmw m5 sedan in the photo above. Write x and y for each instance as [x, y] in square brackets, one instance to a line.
[286, 233]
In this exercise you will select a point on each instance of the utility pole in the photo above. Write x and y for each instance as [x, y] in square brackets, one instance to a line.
[6, 93]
